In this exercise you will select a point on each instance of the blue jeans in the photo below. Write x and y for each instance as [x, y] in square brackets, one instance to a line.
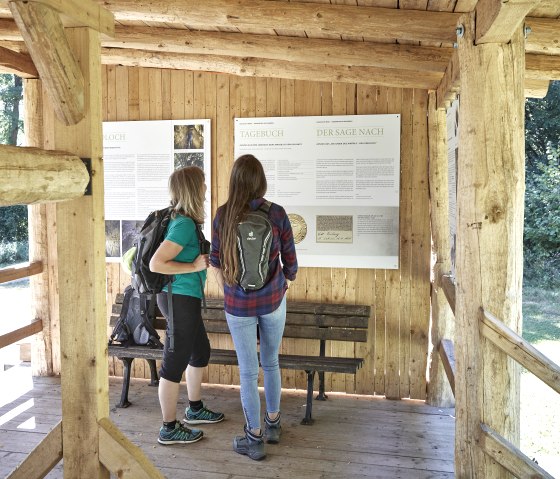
[244, 333]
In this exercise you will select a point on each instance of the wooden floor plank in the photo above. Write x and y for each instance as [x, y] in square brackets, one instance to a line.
[353, 436]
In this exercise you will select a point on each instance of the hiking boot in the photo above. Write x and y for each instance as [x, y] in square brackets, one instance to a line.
[250, 445]
[272, 430]
[179, 435]
[202, 416]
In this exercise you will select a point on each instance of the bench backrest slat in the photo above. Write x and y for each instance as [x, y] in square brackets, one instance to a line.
[294, 307]
[333, 322]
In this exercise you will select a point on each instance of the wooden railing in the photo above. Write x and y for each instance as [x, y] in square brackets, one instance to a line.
[12, 274]
[493, 444]
[20, 271]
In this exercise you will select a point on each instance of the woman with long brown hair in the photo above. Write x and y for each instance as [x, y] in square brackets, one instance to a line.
[264, 308]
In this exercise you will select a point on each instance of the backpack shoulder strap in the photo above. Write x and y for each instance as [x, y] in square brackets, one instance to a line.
[265, 206]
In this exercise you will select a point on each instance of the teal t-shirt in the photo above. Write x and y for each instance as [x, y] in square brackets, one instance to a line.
[182, 230]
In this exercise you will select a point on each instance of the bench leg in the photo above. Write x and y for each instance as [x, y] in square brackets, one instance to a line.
[308, 420]
[321, 396]
[127, 366]
[154, 379]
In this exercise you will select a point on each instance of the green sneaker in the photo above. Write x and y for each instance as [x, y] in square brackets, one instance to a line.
[179, 435]
[202, 416]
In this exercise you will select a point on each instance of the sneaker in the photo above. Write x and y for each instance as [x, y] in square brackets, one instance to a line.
[249, 445]
[179, 435]
[272, 430]
[202, 416]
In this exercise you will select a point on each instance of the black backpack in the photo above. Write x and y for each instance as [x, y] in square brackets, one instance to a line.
[138, 314]
[254, 241]
[134, 326]
[148, 240]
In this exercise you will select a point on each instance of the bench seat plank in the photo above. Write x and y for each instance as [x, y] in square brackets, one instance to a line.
[228, 357]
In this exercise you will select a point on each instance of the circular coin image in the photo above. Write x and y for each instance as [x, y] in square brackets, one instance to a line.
[299, 227]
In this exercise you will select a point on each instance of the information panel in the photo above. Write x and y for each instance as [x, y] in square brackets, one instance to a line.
[338, 179]
[138, 157]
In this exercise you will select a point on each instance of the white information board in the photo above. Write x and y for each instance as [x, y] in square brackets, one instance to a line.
[138, 157]
[338, 179]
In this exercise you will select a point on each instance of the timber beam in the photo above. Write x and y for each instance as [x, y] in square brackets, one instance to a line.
[82, 13]
[497, 20]
[32, 175]
[306, 50]
[259, 67]
[544, 37]
[44, 36]
[509, 456]
[17, 63]
[120, 456]
[43, 458]
[345, 20]
[542, 67]
[536, 88]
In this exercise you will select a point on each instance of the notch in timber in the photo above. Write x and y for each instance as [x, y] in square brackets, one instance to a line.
[87, 163]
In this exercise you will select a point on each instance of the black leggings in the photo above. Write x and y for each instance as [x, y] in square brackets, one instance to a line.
[191, 341]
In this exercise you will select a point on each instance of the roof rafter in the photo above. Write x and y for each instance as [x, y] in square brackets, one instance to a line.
[307, 50]
[345, 20]
[544, 37]
[262, 67]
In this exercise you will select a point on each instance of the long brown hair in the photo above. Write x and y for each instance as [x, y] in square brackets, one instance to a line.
[247, 182]
[186, 191]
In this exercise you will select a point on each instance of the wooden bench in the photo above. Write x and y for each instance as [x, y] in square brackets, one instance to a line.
[322, 322]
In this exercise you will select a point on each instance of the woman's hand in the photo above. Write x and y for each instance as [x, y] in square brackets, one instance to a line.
[201, 262]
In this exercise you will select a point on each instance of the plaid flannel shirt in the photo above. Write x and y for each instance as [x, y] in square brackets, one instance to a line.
[282, 265]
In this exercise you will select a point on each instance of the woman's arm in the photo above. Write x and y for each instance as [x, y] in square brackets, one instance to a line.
[163, 260]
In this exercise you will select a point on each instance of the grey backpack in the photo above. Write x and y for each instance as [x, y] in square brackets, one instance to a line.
[254, 240]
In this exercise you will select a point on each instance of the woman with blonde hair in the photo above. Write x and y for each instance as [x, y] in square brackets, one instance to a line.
[180, 255]
[264, 308]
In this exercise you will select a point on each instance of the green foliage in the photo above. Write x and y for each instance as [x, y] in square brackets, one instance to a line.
[13, 235]
[11, 94]
[13, 219]
[542, 126]
[542, 195]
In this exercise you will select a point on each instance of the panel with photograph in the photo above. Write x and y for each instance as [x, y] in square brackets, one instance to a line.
[130, 230]
[112, 239]
[189, 159]
[188, 137]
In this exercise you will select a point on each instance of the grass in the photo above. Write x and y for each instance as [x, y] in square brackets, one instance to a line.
[540, 404]
[541, 315]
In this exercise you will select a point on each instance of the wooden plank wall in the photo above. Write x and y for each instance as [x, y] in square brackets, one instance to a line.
[397, 349]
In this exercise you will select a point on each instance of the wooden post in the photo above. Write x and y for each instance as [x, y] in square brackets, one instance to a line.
[489, 243]
[80, 254]
[41, 344]
[443, 321]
